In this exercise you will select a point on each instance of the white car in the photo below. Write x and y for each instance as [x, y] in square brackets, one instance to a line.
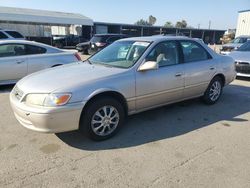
[10, 35]
[19, 58]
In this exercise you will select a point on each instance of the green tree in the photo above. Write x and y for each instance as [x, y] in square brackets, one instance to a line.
[169, 24]
[181, 24]
[150, 22]
[142, 22]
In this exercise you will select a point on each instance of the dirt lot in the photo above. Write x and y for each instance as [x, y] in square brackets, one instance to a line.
[182, 145]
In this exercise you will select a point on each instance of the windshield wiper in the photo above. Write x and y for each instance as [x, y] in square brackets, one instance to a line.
[89, 61]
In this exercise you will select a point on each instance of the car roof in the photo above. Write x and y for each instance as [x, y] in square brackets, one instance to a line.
[243, 36]
[156, 38]
[109, 34]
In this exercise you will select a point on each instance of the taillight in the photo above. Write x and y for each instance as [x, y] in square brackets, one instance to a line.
[100, 44]
[78, 57]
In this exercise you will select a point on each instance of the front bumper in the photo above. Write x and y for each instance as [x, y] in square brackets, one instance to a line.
[243, 69]
[243, 75]
[47, 120]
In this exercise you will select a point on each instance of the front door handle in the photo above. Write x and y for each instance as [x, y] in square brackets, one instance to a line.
[178, 74]
[19, 62]
[212, 68]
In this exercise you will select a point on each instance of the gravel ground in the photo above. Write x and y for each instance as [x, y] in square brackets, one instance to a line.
[188, 144]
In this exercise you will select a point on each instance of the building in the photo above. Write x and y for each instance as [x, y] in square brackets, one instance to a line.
[243, 25]
[208, 35]
[41, 25]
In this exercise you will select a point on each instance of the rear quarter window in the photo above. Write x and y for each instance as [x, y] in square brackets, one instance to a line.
[2, 35]
[14, 34]
[31, 50]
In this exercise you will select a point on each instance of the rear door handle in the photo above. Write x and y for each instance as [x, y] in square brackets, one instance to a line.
[212, 68]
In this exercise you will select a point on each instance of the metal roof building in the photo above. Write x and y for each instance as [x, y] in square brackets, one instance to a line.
[42, 25]
[243, 26]
[43, 16]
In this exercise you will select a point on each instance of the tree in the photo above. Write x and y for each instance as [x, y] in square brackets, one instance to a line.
[169, 24]
[142, 22]
[150, 22]
[181, 24]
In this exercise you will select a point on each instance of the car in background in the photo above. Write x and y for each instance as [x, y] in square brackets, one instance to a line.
[69, 41]
[127, 77]
[242, 59]
[19, 58]
[98, 42]
[10, 35]
[234, 44]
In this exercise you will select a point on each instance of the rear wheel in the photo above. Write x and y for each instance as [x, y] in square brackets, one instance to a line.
[102, 118]
[214, 91]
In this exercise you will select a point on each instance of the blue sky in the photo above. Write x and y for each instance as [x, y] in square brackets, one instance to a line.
[222, 13]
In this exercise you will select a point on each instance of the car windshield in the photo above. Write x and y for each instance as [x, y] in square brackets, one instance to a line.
[239, 40]
[244, 47]
[122, 54]
[98, 39]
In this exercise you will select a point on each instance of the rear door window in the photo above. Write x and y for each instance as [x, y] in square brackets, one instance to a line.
[193, 52]
[2, 35]
[9, 50]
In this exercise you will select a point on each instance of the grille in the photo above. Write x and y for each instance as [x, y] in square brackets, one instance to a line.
[243, 67]
[17, 93]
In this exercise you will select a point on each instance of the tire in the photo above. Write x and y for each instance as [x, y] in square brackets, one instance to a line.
[214, 91]
[95, 125]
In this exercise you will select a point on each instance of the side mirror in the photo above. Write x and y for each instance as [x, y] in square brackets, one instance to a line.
[149, 65]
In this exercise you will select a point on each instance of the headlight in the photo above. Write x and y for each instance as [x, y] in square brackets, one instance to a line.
[49, 100]
[35, 99]
[58, 99]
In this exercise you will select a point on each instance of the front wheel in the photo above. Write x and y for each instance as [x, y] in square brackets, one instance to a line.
[214, 91]
[102, 119]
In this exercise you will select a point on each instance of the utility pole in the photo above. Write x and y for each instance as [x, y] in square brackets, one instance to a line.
[209, 24]
[199, 25]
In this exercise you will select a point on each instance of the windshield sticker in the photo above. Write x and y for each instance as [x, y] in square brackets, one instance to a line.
[145, 44]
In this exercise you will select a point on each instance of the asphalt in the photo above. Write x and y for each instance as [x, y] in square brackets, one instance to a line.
[188, 144]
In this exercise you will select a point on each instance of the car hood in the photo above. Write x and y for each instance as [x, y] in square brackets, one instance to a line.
[66, 76]
[240, 56]
[83, 43]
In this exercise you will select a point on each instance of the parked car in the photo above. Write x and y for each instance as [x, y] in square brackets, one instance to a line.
[98, 42]
[10, 35]
[242, 59]
[67, 41]
[234, 44]
[19, 58]
[129, 76]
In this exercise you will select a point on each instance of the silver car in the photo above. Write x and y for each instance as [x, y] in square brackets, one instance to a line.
[130, 76]
[242, 60]
[19, 58]
[234, 44]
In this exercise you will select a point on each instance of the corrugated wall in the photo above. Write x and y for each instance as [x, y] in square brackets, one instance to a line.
[243, 26]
